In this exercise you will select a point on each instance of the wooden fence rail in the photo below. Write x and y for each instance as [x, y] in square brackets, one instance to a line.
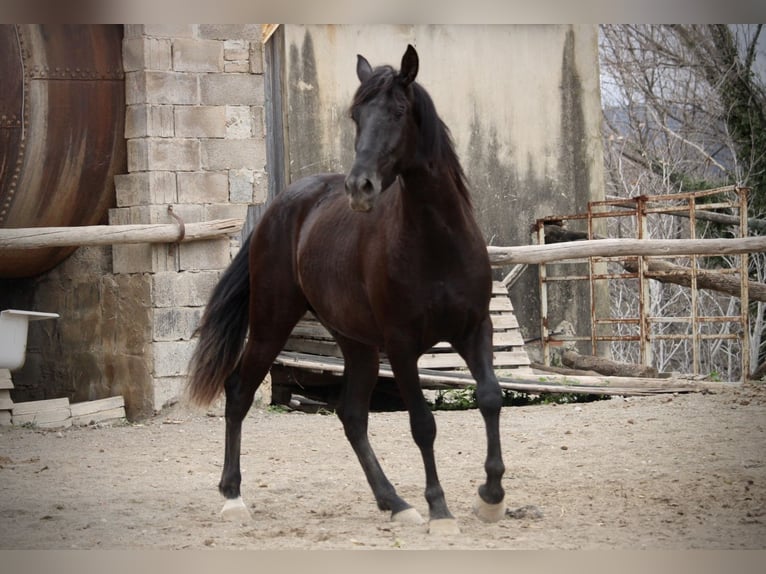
[535, 254]
[40, 237]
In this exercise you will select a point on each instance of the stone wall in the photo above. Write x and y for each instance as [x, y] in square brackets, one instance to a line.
[196, 141]
[98, 347]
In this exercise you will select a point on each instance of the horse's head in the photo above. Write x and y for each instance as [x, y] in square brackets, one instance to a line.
[385, 127]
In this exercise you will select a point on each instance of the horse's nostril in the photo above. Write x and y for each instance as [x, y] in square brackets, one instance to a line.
[367, 186]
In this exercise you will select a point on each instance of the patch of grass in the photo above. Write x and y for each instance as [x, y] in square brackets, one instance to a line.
[464, 399]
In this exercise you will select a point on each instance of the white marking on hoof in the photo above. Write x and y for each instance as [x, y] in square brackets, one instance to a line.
[488, 512]
[443, 527]
[234, 510]
[408, 516]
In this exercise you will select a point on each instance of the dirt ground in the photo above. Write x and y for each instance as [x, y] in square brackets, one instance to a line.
[663, 472]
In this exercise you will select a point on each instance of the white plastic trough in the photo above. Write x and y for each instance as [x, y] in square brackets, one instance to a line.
[14, 325]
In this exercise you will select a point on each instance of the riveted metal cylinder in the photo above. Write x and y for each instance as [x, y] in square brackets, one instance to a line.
[62, 116]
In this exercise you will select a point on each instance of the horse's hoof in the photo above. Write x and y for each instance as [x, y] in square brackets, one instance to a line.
[443, 527]
[488, 512]
[234, 510]
[407, 516]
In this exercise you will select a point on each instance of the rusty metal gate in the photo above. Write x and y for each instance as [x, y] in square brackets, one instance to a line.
[643, 328]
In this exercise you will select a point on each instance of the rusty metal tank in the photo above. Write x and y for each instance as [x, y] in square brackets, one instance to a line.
[62, 115]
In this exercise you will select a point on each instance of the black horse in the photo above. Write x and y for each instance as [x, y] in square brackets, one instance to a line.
[389, 258]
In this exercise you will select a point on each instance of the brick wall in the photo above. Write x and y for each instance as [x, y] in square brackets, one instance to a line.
[195, 136]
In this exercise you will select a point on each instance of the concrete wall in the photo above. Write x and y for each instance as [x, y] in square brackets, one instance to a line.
[522, 103]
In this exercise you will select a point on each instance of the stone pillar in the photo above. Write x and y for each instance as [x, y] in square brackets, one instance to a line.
[196, 141]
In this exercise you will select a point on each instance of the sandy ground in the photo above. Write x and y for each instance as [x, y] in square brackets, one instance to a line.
[663, 472]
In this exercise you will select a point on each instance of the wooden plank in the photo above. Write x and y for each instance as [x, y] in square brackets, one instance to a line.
[112, 414]
[5, 418]
[314, 347]
[43, 417]
[524, 381]
[507, 339]
[6, 403]
[5, 379]
[455, 361]
[497, 304]
[504, 321]
[30, 407]
[310, 330]
[88, 407]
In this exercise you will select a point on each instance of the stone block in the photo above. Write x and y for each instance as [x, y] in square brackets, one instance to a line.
[145, 120]
[174, 323]
[167, 391]
[144, 53]
[177, 88]
[204, 255]
[260, 186]
[233, 154]
[132, 379]
[126, 312]
[259, 121]
[202, 187]
[171, 358]
[231, 89]
[241, 185]
[236, 50]
[230, 31]
[185, 289]
[132, 258]
[226, 211]
[237, 67]
[144, 188]
[163, 154]
[189, 213]
[200, 121]
[169, 30]
[133, 30]
[256, 58]
[239, 122]
[195, 55]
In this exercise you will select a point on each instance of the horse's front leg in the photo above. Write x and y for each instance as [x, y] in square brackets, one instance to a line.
[361, 374]
[476, 350]
[423, 427]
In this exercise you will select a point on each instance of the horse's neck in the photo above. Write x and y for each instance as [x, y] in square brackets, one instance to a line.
[434, 196]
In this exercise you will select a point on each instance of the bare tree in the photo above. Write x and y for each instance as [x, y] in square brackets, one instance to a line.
[685, 110]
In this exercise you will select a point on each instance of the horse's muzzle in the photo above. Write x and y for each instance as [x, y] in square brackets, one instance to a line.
[362, 192]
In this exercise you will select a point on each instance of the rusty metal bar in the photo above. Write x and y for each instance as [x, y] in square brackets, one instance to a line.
[744, 301]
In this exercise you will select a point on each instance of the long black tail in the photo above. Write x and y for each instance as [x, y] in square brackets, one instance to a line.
[222, 331]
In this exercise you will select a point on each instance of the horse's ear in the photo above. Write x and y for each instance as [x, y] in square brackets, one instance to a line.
[409, 67]
[363, 68]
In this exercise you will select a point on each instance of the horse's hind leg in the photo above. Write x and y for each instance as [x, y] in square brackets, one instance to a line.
[270, 326]
[476, 350]
[361, 374]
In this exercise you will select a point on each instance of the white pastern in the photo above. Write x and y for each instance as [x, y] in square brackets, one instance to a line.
[234, 510]
[488, 512]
